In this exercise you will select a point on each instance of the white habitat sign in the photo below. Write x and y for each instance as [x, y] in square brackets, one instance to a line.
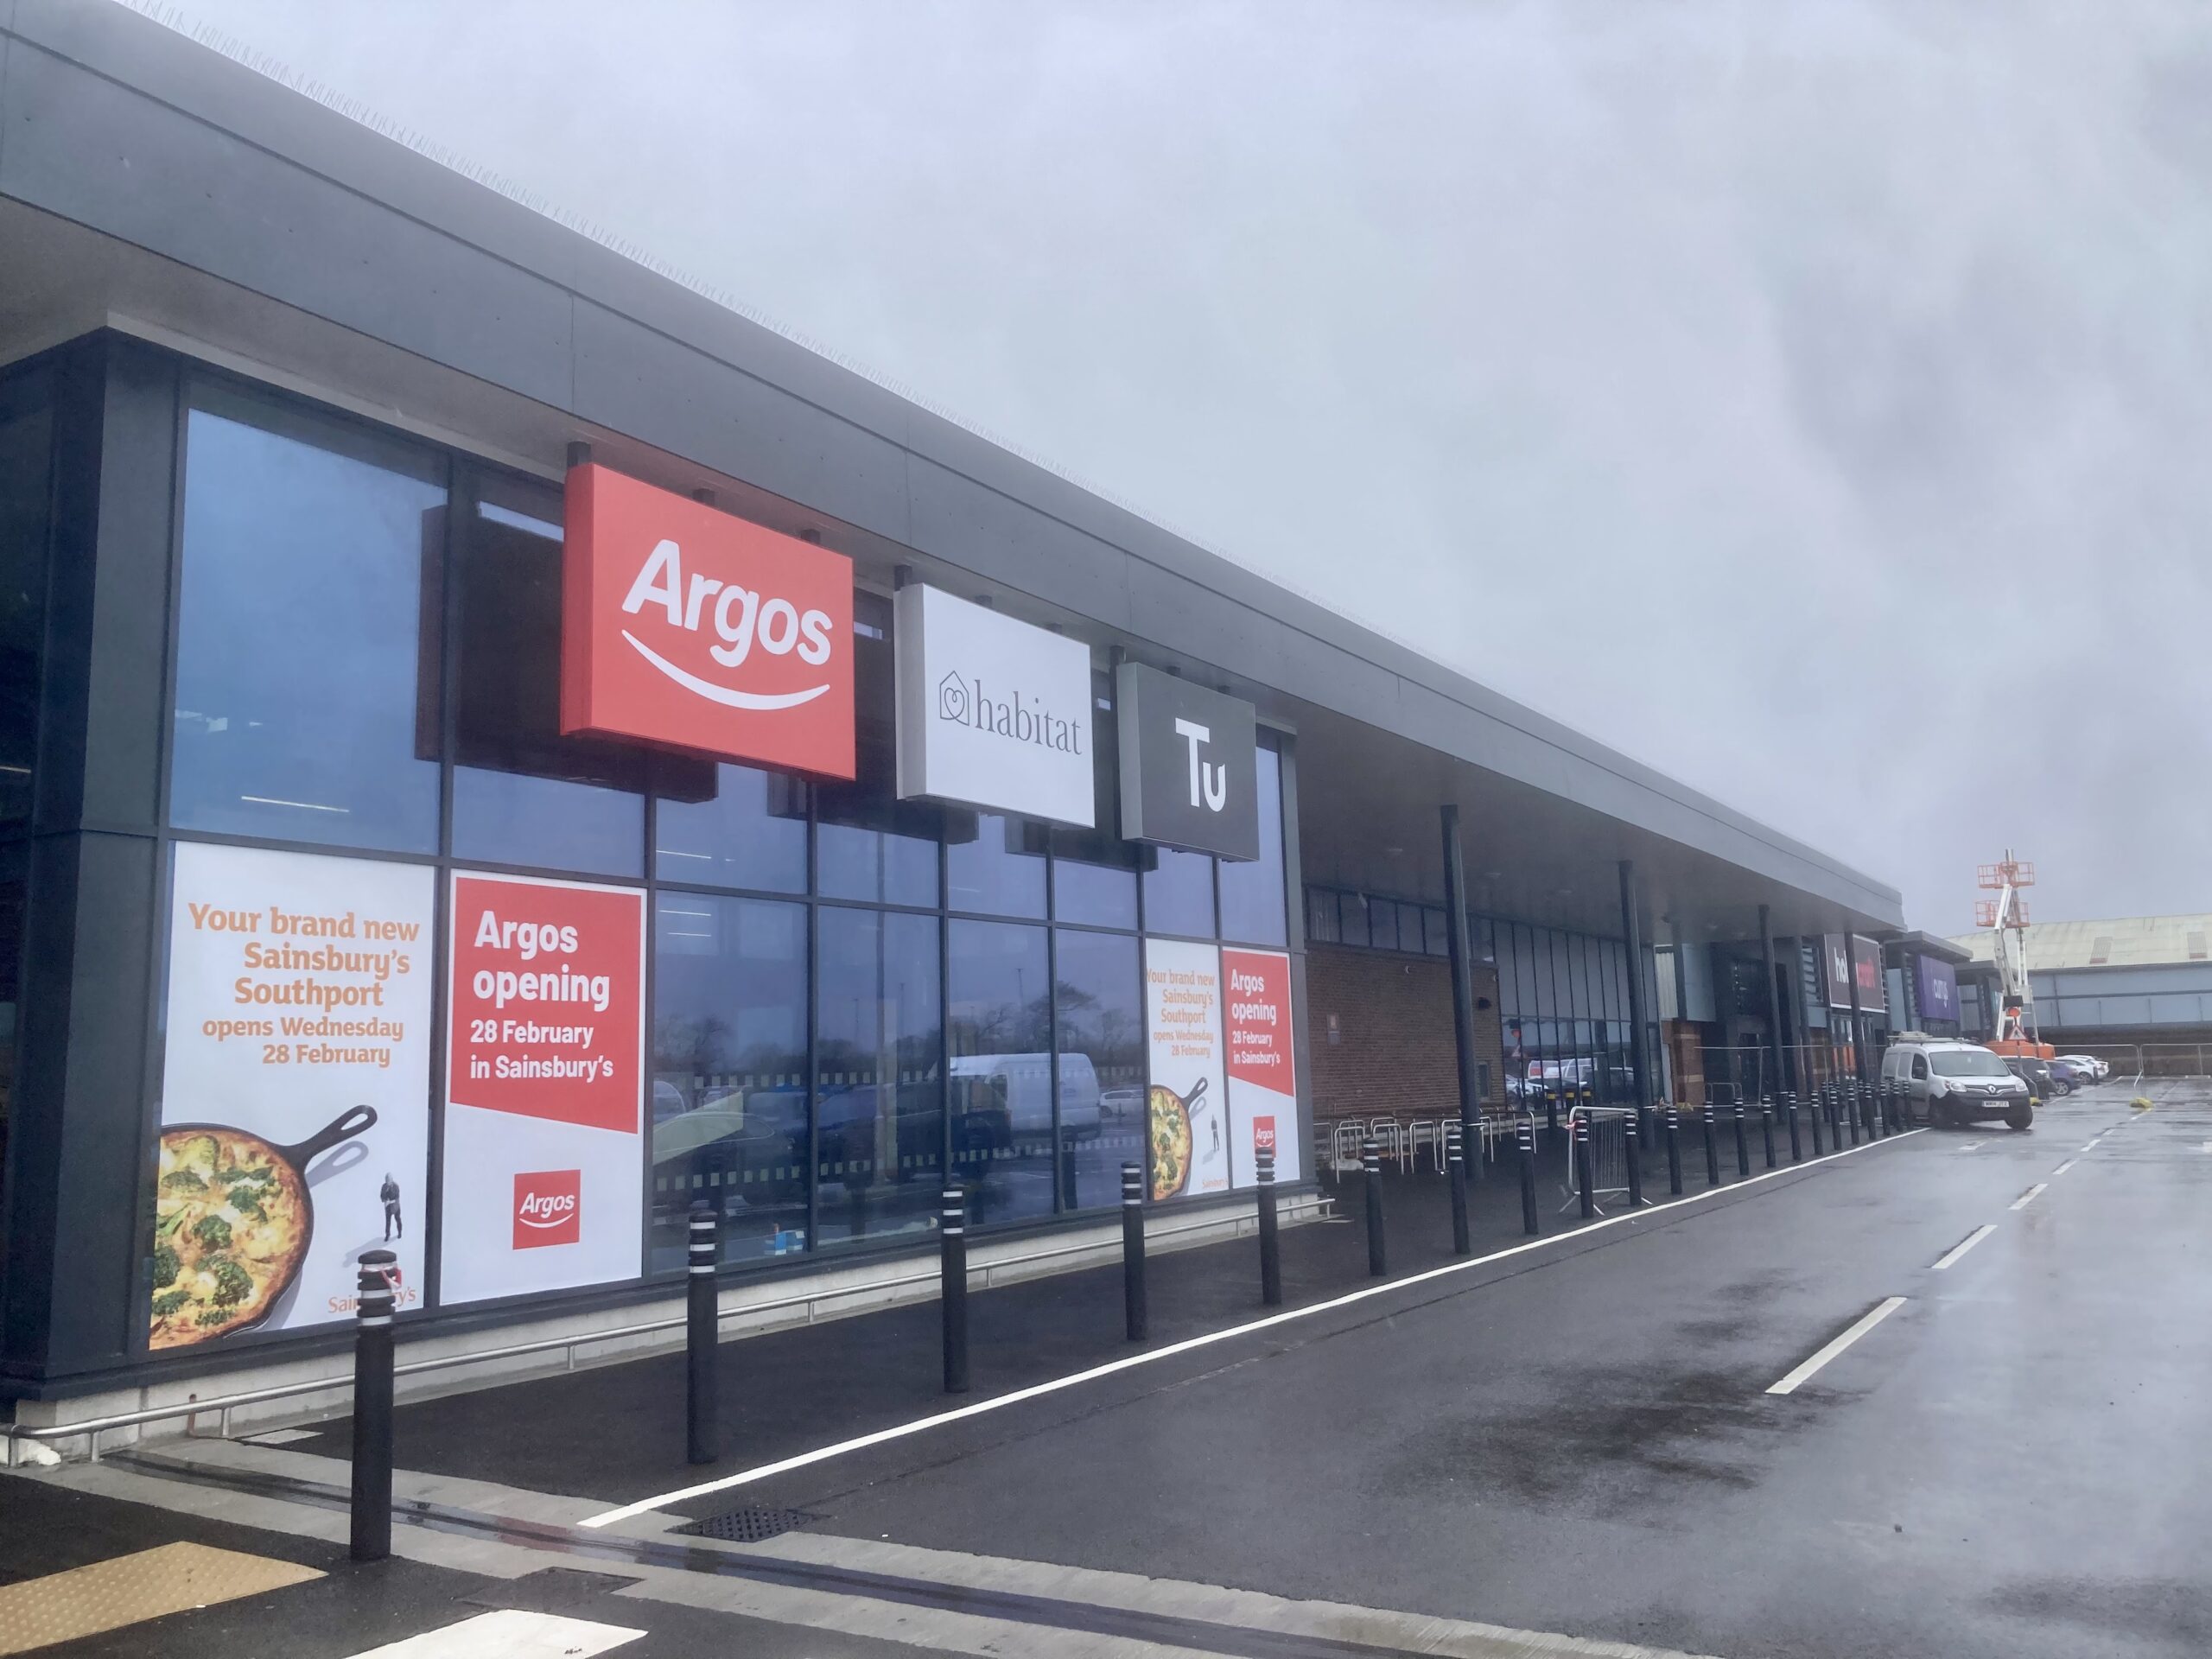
[993, 713]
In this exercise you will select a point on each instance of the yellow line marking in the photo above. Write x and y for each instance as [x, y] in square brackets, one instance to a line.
[128, 1590]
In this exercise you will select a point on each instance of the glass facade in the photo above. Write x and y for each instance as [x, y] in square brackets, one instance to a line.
[850, 999]
[1563, 998]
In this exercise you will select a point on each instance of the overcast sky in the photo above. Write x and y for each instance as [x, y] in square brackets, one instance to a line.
[1814, 401]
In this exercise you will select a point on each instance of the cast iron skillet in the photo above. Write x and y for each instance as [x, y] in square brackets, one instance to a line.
[354, 1120]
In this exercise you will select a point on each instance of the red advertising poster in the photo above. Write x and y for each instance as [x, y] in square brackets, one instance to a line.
[685, 626]
[1261, 1063]
[544, 1181]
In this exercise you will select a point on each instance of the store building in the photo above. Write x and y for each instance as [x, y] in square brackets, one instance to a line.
[2134, 988]
[498, 748]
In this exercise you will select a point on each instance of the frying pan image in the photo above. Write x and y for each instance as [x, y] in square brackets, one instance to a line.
[1169, 1118]
[232, 1219]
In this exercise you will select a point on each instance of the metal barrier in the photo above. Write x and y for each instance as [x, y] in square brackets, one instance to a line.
[1609, 1147]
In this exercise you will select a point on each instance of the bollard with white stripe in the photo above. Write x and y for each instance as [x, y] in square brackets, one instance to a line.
[1584, 1181]
[1635, 1160]
[1270, 1249]
[1742, 1146]
[1370, 1179]
[370, 1528]
[1525, 1144]
[700, 1435]
[1789, 1114]
[1673, 1150]
[1817, 1109]
[952, 1288]
[1766, 1128]
[1135, 1313]
[1462, 1240]
[1712, 1146]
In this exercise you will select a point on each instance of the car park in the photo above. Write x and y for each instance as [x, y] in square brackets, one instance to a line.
[2067, 1075]
[1948, 1083]
[2098, 1070]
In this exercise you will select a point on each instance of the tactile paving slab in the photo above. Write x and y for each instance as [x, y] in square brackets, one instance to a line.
[128, 1590]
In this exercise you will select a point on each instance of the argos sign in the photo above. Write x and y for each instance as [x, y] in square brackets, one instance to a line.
[684, 627]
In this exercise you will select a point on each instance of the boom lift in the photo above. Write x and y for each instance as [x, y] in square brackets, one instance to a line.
[2008, 913]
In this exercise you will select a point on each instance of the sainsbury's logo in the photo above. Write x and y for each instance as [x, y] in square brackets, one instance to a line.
[549, 1208]
[686, 626]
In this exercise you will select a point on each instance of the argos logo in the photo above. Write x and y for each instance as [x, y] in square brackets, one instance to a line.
[549, 1208]
[684, 627]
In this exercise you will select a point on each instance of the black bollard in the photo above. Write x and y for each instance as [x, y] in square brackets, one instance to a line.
[1819, 1105]
[1742, 1146]
[1711, 1147]
[952, 1289]
[1635, 1139]
[1370, 1178]
[1583, 1171]
[1673, 1150]
[1270, 1249]
[1133, 1301]
[1525, 1141]
[700, 1330]
[1551, 1110]
[372, 1505]
[1851, 1108]
[1462, 1241]
[1766, 1129]
[1790, 1112]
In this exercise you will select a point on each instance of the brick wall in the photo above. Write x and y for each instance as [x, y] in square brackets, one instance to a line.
[1393, 1047]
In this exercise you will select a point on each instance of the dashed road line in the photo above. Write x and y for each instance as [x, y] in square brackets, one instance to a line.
[1206, 1339]
[2028, 1197]
[2068, 1164]
[1865, 1323]
[2091, 1146]
[1950, 1258]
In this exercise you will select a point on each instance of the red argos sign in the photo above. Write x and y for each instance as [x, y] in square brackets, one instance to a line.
[684, 627]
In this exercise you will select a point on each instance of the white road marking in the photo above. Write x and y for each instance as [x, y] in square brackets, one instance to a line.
[1076, 1379]
[2028, 1197]
[1964, 1245]
[1971, 1146]
[1865, 1322]
[2091, 1146]
[278, 1436]
[509, 1634]
[2068, 1164]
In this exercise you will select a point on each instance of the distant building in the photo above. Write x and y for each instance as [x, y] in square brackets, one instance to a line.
[2135, 980]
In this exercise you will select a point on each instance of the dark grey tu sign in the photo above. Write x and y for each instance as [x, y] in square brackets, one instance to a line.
[1189, 775]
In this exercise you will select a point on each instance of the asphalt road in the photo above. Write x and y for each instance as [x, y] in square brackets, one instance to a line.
[2010, 1464]
[1579, 1438]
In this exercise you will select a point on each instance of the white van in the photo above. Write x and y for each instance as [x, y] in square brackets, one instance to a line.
[1025, 1084]
[1949, 1083]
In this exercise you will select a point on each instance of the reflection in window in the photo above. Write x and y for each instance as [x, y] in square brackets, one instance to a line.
[868, 844]
[1321, 918]
[993, 864]
[1252, 893]
[306, 639]
[11, 961]
[1179, 893]
[1093, 871]
[1098, 999]
[729, 1074]
[1000, 1005]
[523, 793]
[26, 459]
[750, 832]
[878, 1094]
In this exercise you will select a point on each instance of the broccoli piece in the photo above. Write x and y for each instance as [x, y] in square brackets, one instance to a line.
[213, 1316]
[165, 1267]
[245, 1200]
[169, 1302]
[183, 1180]
[233, 1284]
[263, 1177]
[213, 1232]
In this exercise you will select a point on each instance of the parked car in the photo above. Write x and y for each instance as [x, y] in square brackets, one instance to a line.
[2067, 1075]
[1948, 1083]
[2036, 1074]
[2098, 1070]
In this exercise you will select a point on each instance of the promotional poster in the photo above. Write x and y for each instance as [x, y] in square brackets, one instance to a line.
[1262, 1070]
[544, 1182]
[296, 1099]
[1186, 1114]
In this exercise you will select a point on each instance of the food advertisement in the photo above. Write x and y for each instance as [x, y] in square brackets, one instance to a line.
[295, 1092]
[1186, 1114]
[543, 1183]
[1262, 1072]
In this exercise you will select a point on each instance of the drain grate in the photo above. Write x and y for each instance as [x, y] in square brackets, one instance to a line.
[752, 1524]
